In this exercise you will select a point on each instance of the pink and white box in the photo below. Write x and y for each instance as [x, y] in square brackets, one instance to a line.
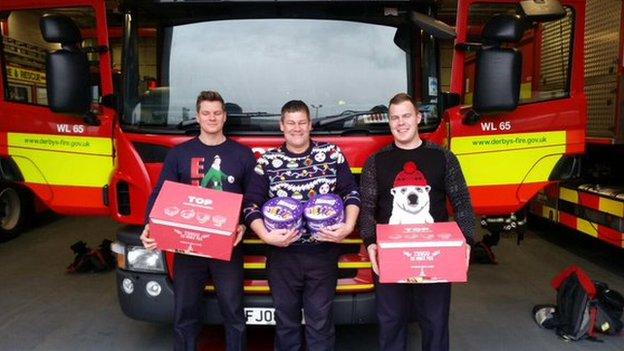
[195, 221]
[422, 253]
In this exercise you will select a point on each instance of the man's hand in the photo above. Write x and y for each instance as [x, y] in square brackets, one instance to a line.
[334, 234]
[281, 237]
[149, 243]
[240, 232]
[372, 254]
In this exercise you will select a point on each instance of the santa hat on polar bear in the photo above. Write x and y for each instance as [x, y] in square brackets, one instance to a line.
[410, 176]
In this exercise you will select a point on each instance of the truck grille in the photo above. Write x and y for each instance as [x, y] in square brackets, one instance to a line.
[353, 273]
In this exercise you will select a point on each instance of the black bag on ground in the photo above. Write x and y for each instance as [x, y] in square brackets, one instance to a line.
[88, 260]
[610, 306]
[583, 307]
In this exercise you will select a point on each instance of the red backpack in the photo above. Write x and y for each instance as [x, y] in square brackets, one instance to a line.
[582, 309]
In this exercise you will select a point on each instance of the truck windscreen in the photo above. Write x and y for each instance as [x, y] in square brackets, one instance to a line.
[345, 72]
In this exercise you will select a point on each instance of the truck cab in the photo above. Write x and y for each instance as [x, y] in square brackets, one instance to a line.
[119, 100]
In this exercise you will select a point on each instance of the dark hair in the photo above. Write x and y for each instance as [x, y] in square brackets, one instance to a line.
[401, 98]
[209, 95]
[295, 106]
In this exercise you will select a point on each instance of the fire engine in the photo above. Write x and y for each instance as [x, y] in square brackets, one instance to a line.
[121, 78]
[593, 202]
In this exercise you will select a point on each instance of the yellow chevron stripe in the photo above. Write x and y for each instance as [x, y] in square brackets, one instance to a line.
[586, 227]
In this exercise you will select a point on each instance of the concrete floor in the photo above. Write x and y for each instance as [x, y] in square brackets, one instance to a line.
[42, 308]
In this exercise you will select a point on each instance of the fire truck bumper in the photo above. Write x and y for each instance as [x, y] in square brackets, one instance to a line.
[150, 297]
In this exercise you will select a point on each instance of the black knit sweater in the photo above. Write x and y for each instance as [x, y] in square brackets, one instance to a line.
[412, 186]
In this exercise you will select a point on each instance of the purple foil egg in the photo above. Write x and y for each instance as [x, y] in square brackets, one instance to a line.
[323, 211]
[283, 213]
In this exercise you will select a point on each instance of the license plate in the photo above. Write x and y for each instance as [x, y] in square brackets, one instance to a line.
[263, 316]
[260, 315]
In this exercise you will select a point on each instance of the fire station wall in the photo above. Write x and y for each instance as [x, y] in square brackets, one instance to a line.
[602, 43]
[24, 26]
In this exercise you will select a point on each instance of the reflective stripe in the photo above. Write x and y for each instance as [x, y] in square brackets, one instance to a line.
[613, 207]
[354, 265]
[345, 241]
[62, 160]
[568, 195]
[526, 91]
[587, 227]
[550, 213]
[509, 158]
[254, 265]
[342, 265]
[64, 143]
[266, 289]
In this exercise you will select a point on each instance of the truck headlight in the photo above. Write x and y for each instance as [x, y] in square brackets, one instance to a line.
[140, 259]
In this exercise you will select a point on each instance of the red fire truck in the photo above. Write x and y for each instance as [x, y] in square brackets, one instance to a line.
[114, 108]
[593, 202]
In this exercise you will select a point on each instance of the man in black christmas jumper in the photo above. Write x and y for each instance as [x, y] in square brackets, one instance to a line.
[213, 161]
[302, 269]
[409, 182]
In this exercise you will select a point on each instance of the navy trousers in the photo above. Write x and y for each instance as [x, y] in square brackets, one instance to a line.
[304, 280]
[398, 304]
[190, 276]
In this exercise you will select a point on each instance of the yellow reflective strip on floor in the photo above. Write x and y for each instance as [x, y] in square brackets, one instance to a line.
[611, 206]
[64, 143]
[587, 227]
[509, 158]
[568, 195]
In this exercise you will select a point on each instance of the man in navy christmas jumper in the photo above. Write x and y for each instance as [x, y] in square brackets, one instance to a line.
[302, 269]
[216, 162]
[405, 183]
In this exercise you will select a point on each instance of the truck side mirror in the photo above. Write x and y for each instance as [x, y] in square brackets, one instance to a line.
[67, 69]
[498, 70]
[450, 100]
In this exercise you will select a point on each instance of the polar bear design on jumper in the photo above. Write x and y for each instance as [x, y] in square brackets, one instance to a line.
[411, 197]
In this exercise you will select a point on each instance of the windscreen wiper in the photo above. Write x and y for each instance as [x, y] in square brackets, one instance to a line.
[191, 123]
[344, 115]
[185, 124]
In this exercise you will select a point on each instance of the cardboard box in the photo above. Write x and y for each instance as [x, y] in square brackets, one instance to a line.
[422, 253]
[195, 220]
